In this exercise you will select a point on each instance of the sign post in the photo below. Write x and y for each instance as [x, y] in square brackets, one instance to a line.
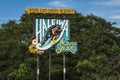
[49, 65]
[64, 68]
[38, 70]
[38, 65]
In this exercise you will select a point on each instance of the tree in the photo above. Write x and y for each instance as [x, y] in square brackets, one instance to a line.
[97, 58]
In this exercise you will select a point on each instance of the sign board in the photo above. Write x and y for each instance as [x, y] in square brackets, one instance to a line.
[48, 32]
[50, 11]
[51, 32]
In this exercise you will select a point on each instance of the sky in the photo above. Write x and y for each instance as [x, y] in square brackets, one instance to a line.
[107, 9]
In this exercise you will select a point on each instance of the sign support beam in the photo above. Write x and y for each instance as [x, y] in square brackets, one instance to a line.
[64, 67]
[49, 65]
[38, 70]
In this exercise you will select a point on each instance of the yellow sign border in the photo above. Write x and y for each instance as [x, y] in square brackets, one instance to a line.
[50, 10]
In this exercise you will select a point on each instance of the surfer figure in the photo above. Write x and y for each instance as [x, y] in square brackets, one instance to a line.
[53, 33]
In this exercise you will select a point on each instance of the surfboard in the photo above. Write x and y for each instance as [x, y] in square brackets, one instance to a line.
[50, 42]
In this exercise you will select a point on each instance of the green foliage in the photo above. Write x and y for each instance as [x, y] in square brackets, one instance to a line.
[85, 64]
[19, 74]
[98, 56]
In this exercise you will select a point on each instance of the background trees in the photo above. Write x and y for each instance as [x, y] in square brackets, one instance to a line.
[98, 56]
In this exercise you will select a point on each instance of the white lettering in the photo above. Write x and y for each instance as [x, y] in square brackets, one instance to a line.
[36, 30]
[66, 27]
[41, 25]
[53, 21]
[44, 27]
[61, 23]
[49, 23]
